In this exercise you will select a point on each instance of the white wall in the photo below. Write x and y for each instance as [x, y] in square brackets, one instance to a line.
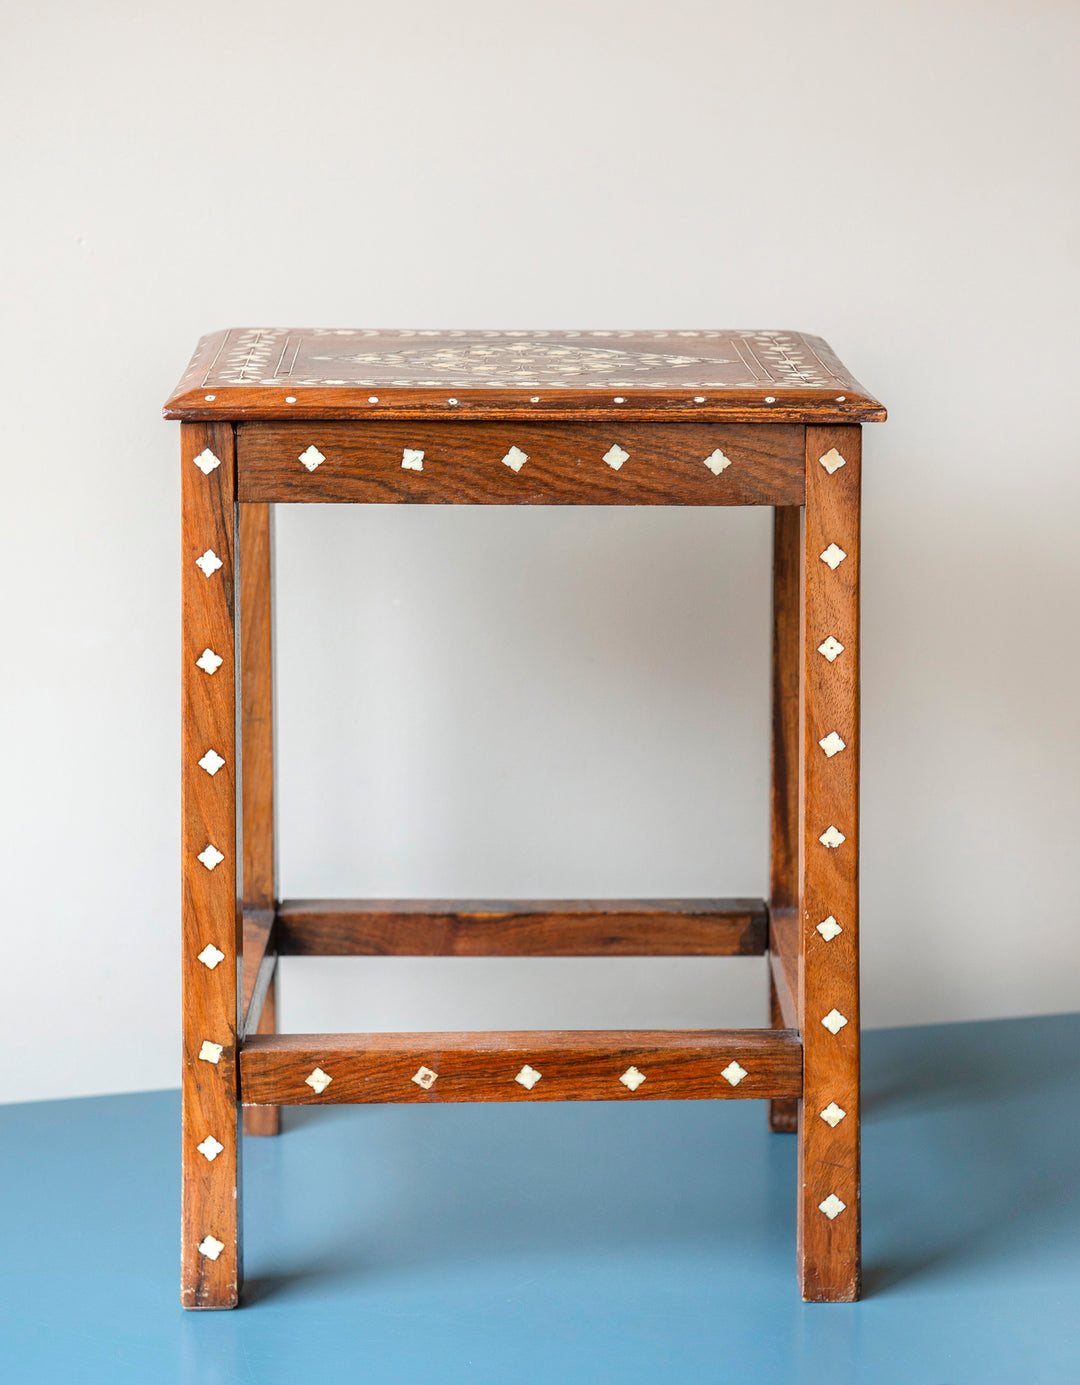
[549, 702]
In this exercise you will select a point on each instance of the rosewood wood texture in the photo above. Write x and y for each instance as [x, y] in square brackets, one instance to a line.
[318, 373]
[265, 1120]
[784, 838]
[257, 704]
[572, 1066]
[537, 928]
[829, 1246]
[464, 463]
[260, 962]
[256, 533]
[211, 1252]
[784, 966]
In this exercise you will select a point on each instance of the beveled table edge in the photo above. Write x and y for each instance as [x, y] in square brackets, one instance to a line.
[772, 403]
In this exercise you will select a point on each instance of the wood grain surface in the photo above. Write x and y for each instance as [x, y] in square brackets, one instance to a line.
[572, 1065]
[256, 534]
[784, 966]
[257, 704]
[829, 1246]
[756, 376]
[465, 463]
[517, 928]
[784, 778]
[260, 963]
[211, 906]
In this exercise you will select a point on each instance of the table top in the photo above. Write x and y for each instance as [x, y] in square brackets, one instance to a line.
[733, 375]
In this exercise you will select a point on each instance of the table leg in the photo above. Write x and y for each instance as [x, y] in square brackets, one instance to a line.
[786, 648]
[828, 1212]
[257, 721]
[210, 1185]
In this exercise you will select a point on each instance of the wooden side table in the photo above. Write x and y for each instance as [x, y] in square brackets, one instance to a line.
[518, 418]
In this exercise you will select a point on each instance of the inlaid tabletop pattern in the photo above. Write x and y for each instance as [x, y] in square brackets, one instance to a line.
[348, 373]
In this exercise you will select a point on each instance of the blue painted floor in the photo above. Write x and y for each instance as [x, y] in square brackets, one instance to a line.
[557, 1244]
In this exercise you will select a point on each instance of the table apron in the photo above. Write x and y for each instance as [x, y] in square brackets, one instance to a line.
[449, 463]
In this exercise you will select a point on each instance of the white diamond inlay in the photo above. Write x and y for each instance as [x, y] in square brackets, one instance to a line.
[831, 744]
[318, 1081]
[210, 1053]
[830, 648]
[717, 462]
[210, 956]
[515, 459]
[412, 460]
[833, 556]
[424, 1077]
[615, 456]
[211, 762]
[209, 662]
[832, 461]
[209, 562]
[311, 457]
[832, 1206]
[210, 856]
[211, 1247]
[829, 928]
[632, 1079]
[734, 1073]
[210, 1148]
[834, 1021]
[206, 461]
[528, 1077]
[832, 837]
[833, 1114]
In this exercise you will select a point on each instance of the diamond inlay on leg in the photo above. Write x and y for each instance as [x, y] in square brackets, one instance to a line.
[209, 562]
[318, 1081]
[734, 1073]
[412, 459]
[515, 459]
[632, 1079]
[830, 649]
[211, 762]
[311, 457]
[528, 1077]
[829, 928]
[210, 1148]
[833, 556]
[832, 837]
[615, 456]
[206, 461]
[210, 856]
[424, 1077]
[831, 744]
[832, 461]
[209, 662]
[833, 1114]
[210, 956]
[717, 462]
[834, 1021]
[832, 1206]
[211, 1247]
[210, 1053]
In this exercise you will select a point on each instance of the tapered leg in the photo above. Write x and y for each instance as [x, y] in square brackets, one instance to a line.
[211, 875]
[784, 853]
[829, 1222]
[257, 721]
